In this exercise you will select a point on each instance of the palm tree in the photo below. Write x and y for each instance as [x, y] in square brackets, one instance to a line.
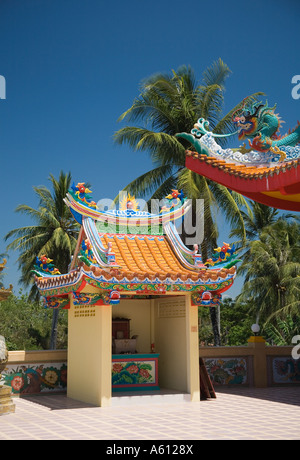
[272, 272]
[258, 217]
[283, 332]
[255, 220]
[170, 104]
[53, 233]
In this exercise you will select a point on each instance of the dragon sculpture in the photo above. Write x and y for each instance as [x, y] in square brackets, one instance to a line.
[43, 265]
[266, 170]
[259, 124]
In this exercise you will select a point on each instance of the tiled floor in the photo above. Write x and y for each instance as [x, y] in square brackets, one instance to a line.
[250, 414]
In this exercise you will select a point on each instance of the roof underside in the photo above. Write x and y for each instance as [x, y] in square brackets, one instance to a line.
[277, 186]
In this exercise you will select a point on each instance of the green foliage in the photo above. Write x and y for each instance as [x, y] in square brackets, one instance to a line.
[206, 336]
[235, 324]
[236, 321]
[283, 331]
[26, 325]
[272, 272]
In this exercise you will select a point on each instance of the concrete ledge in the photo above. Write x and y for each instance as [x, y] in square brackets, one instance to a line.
[37, 356]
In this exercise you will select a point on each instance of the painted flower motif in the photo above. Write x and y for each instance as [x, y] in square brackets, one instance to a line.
[117, 367]
[17, 383]
[133, 369]
[51, 377]
[144, 373]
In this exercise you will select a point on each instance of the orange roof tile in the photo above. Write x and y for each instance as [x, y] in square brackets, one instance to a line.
[144, 254]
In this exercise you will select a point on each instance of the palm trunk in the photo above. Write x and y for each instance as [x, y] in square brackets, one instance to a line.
[215, 322]
[53, 338]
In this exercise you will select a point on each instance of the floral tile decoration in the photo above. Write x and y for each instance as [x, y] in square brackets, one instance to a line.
[128, 373]
[285, 370]
[227, 371]
[36, 378]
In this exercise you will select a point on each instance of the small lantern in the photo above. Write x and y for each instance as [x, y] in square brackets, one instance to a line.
[255, 329]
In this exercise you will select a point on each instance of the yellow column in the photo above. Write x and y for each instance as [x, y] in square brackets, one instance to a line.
[152, 324]
[193, 381]
[90, 354]
[258, 344]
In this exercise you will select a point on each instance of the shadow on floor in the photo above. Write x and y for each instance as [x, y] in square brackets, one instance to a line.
[56, 402]
[142, 397]
[284, 395]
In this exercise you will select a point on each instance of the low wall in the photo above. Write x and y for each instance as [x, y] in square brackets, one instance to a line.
[32, 372]
[253, 365]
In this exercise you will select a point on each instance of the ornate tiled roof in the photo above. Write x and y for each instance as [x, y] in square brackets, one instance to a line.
[146, 264]
[140, 259]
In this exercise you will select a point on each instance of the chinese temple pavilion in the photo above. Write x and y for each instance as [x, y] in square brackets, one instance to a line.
[4, 293]
[266, 171]
[132, 294]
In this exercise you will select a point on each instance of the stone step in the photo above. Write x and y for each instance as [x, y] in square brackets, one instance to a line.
[7, 408]
[6, 403]
[5, 400]
[5, 390]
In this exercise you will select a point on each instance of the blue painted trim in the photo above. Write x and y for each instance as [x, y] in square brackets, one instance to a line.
[135, 356]
[142, 387]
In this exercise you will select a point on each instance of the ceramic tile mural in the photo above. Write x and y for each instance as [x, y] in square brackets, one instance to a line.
[227, 371]
[138, 373]
[35, 378]
[285, 370]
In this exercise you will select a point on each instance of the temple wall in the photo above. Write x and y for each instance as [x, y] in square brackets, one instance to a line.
[226, 366]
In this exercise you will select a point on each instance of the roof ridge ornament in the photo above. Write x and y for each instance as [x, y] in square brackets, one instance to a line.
[81, 205]
[43, 266]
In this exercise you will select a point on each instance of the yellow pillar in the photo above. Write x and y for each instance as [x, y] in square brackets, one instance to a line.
[258, 344]
[90, 354]
[193, 381]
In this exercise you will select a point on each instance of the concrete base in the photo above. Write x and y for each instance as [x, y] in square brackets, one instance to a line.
[6, 404]
[162, 396]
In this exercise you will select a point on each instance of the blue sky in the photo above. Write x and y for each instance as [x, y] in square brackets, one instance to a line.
[72, 67]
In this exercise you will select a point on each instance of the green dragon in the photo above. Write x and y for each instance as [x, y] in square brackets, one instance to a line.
[256, 122]
[260, 123]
